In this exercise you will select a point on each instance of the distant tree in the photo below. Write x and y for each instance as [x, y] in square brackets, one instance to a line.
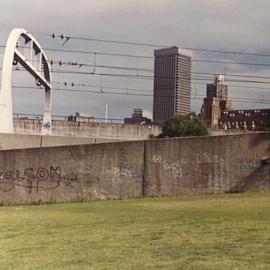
[184, 126]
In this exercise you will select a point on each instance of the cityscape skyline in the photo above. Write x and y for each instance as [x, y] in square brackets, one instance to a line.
[94, 21]
[134, 134]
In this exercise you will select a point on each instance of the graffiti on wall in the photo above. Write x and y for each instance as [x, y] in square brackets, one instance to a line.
[206, 158]
[36, 179]
[248, 164]
[173, 168]
[180, 167]
[119, 174]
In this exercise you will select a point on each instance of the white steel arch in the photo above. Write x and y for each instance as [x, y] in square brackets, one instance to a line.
[40, 70]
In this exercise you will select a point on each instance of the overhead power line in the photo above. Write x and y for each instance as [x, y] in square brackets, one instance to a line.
[73, 84]
[97, 53]
[145, 77]
[81, 64]
[71, 63]
[230, 63]
[74, 63]
[200, 97]
[69, 37]
[150, 57]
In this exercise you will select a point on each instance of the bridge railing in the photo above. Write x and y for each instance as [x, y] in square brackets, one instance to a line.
[69, 118]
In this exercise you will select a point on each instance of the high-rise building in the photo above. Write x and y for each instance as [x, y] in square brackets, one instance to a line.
[172, 83]
[216, 102]
[218, 89]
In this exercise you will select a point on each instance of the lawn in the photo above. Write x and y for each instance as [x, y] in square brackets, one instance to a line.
[198, 233]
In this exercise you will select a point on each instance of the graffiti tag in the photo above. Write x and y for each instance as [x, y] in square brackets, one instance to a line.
[35, 179]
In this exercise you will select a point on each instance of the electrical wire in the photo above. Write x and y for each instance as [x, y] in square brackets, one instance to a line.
[80, 65]
[247, 53]
[200, 97]
[144, 77]
[148, 57]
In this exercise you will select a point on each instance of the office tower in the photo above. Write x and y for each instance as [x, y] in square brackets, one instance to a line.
[172, 83]
[218, 89]
[216, 102]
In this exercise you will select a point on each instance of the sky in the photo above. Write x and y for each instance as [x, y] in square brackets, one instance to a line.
[228, 25]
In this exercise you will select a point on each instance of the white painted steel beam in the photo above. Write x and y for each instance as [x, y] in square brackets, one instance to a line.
[31, 69]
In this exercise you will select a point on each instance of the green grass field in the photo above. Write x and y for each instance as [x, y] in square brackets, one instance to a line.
[202, 232]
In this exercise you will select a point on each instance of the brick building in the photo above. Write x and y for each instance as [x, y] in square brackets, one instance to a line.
[138, 117]
[258, 119]
[218, 113]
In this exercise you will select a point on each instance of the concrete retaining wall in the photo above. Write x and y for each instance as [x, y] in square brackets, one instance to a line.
[207, 165]
[88, 129]
[72, 173]
[135, 169]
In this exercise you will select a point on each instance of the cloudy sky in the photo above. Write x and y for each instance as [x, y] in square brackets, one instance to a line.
[228, 25]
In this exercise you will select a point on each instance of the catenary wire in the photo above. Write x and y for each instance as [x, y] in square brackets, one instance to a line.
[62, 36]
[200, 97]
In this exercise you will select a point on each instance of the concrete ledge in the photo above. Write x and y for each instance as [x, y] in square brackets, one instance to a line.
[24, 141]
[88, 129]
